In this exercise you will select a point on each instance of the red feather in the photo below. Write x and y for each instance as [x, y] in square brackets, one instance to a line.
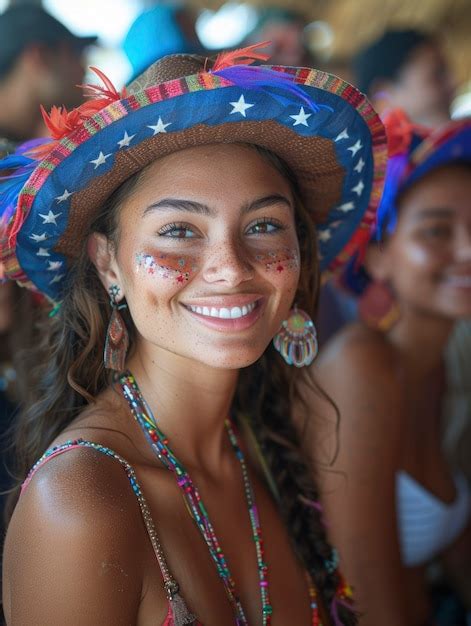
[400, 130]
[108, 92]
[242, 56]
[59, 121]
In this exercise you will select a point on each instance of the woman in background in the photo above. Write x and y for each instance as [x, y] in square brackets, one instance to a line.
[397, 501]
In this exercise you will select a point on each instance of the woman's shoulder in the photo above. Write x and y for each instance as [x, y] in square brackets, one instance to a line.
[355, 387]
[77, 480]
[359, 345]
[74, 531]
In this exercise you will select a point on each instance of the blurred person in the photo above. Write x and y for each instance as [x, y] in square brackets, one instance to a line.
[40, 63]
[176, 237]
[407, 69]
[166, 28]
[398, 498]
[284, 29]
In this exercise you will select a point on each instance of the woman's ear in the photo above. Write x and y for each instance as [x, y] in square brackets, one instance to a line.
[101, 252]
[376, 262]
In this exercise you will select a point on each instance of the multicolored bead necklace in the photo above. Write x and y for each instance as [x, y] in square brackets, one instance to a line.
[159, 444]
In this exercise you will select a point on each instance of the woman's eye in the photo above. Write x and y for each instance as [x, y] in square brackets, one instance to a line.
[263, 228]
[178, 231]
[437, 232]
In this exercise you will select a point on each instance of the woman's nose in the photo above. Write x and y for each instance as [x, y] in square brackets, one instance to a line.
[228, 263]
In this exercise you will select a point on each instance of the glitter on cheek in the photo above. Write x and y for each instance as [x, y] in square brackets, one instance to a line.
[172, 267]
[278, 261]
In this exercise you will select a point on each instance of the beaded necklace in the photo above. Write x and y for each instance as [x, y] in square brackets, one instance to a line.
[159, 444]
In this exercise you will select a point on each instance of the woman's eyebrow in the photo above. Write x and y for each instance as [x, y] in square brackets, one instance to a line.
[178, 204]
[262, 203]
[191, 206]
[434, 212]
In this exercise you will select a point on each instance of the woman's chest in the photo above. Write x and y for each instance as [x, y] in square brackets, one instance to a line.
[422, 450]
[204, 576]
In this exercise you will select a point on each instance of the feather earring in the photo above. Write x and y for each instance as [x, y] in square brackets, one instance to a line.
[117, 338]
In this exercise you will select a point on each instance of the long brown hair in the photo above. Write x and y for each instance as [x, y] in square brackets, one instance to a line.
[71, 374]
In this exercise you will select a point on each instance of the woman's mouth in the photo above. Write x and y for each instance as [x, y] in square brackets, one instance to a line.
[231, 313]
[233, 316]
[460, 281]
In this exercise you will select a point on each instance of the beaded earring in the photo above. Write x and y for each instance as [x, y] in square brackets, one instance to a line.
[117, 338]
[296, 340]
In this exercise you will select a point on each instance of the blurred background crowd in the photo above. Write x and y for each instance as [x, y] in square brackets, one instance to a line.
[404, 54]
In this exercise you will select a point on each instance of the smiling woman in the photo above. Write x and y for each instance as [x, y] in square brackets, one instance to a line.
[173, 227]
[406, 503]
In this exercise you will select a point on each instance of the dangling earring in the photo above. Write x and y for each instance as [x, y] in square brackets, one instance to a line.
[117, 338]
[377, 306]
[296, 340]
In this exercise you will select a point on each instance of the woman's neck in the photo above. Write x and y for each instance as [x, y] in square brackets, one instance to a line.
[190, 402]
[421, 339]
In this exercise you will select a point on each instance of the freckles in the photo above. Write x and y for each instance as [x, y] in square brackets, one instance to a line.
[279, 261]
[175, 268]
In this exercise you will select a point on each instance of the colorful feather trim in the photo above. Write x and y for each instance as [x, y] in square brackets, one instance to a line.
[18, 167]
[24, 160]
[242, 56]
[268, 79]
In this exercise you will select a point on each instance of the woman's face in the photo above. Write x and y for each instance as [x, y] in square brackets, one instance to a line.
[208, 256]
[428, 257]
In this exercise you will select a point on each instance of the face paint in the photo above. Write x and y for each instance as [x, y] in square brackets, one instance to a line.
[279, 260]
[176, 268]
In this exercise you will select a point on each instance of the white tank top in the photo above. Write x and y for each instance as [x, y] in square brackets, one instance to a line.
[426, 524]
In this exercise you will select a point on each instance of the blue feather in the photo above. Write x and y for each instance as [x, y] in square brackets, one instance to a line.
[267, 79]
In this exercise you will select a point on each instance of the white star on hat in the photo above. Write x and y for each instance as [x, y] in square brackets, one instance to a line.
[38, 238]
[347, 206]
[64, 196]
[100, 160]
[359, 166]
[240, 106]
[159, 127]
[343, 135]
[354, 149]
[57, 279]
[324, 235]
[301, 117]
[50, 217]
[126, 140]
[42, 252]
[54, 265]
[358, 189]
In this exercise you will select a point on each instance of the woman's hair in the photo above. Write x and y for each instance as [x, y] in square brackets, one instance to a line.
[71, 374]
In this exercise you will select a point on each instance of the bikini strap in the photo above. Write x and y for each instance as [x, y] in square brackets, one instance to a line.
[170, 584]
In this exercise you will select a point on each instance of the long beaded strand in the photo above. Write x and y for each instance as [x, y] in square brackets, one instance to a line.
[159, 444]
[192, 496]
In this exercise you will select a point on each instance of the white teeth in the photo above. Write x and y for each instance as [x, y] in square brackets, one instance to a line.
[236, 312]
[460, 281]
[224, 313]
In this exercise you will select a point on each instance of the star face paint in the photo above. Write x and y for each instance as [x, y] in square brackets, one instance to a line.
[176, 268]
[278, 261]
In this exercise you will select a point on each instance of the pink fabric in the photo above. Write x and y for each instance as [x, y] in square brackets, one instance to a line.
[51, 456]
